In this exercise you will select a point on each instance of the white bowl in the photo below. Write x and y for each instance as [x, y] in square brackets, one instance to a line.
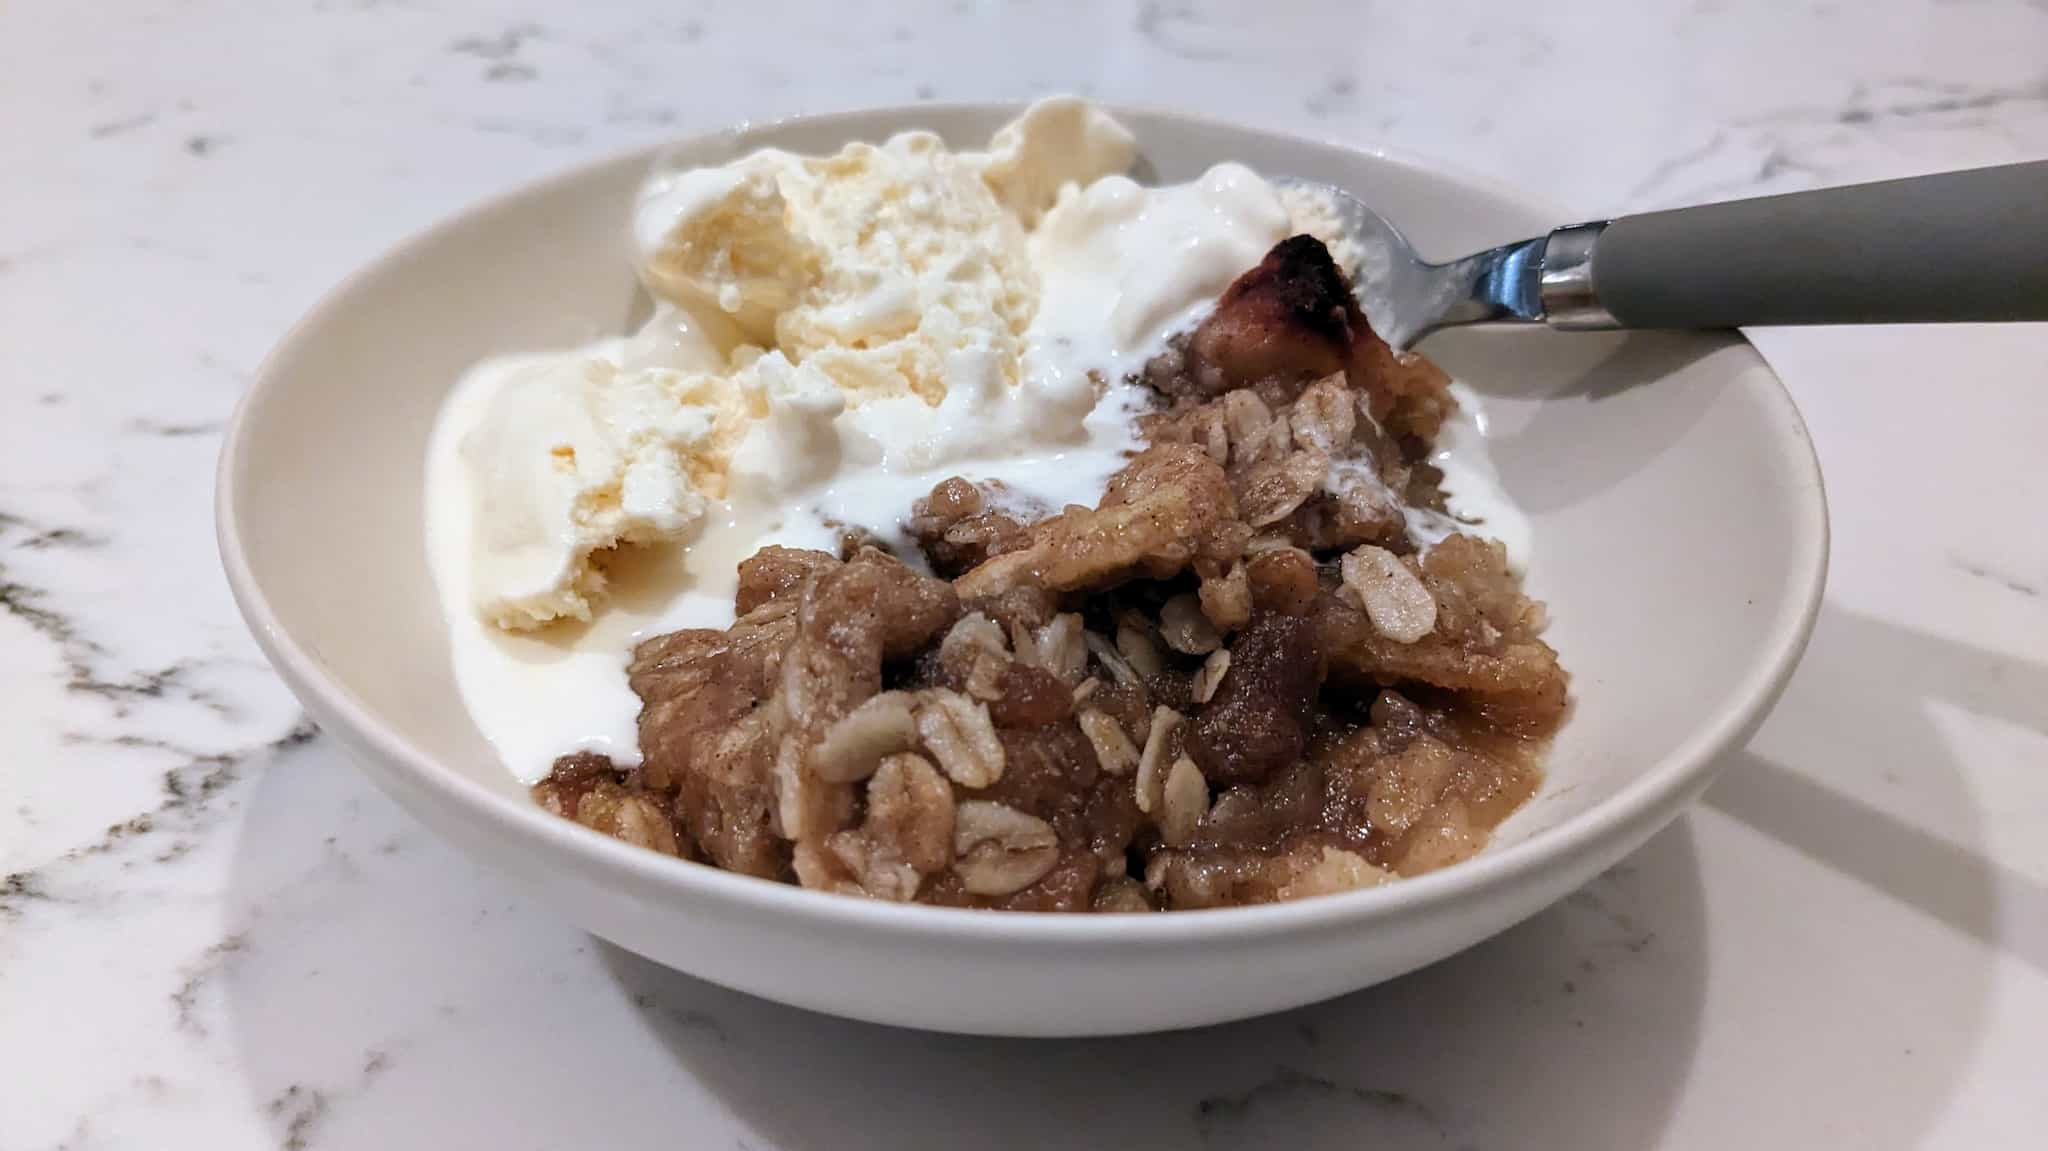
[1680, 539]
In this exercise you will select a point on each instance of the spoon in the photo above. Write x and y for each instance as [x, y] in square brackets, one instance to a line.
[1955, 247]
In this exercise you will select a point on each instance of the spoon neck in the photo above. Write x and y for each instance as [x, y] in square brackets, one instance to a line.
[1548, 279]
[1504, 283]
[1565, 295]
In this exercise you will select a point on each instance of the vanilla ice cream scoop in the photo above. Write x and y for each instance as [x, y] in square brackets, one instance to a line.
[1057, 142]
[881, 265]
[574, 455]
[719, 242]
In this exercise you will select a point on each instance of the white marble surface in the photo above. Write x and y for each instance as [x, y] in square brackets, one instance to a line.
[213, 933]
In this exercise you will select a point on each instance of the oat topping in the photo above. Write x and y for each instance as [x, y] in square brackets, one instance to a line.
[1235, 679]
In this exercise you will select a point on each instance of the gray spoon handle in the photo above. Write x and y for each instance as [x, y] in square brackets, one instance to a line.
[1961, 246]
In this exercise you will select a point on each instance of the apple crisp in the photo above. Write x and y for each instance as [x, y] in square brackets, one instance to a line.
[1240, 677]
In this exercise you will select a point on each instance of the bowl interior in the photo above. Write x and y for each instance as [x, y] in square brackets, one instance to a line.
[1677, 519]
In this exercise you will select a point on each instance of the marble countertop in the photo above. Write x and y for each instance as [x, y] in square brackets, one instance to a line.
[214, 933]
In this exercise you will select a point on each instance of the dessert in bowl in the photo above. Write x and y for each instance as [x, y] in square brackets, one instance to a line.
[941, 537]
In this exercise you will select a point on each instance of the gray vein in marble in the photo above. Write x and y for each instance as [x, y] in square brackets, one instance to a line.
[78, 1138]
[1172, 28]
[503, 46]
[1777, 162]
[203, 145]
[170, 681]
[1287, 1087]
[300, 1109]
[1938, 100]
[209, 965]
[682, 1019]
[365, 5]
[1631, 936]
[62, 538]
[26, 604]
[630, 107]
[1337, 95]
[107, 129]
[175, 430]
[17, 890]
[226, 370]
[1995, 577]
[191, 793]
[532, 131]
[130, 742]
[502, 53]
[1796, 140]
[1667, 170]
